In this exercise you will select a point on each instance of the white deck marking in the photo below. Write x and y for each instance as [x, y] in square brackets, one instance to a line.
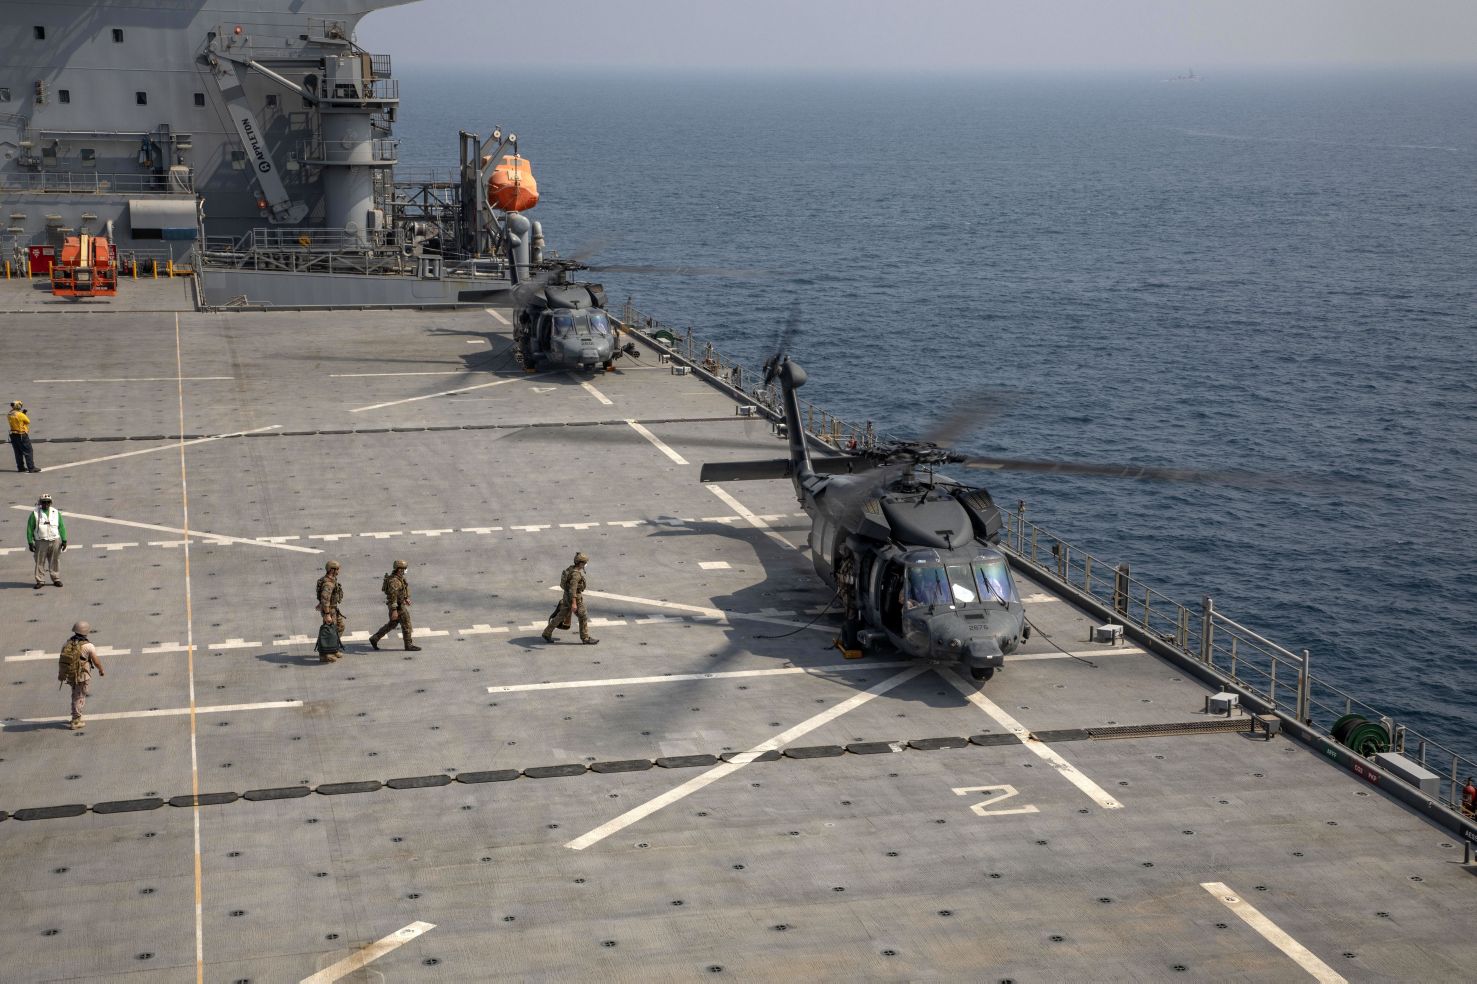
[755, 521]
[137, 379]
[193, 709]
[157, 447]
[499, 316]
[657, 443]
[1042, 751]
[455, 392]
[197, 534]
[713, 565]
[1274, 934]
[589, 387]
[369, 954]
[742, 759]
[700, 610]
[270, 705]
[424, 372]
[721, 675]
[1080, 654]
[1037, 598]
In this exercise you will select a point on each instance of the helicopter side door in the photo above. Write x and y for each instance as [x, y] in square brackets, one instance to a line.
[890, 596]
[545, 328]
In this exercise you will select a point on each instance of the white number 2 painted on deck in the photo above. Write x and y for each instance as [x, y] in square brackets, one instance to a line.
[1002, 793]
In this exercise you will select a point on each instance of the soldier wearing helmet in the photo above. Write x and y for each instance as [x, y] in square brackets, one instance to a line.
[397, 599]
[78, 660]
[573, 602]
[330, 594]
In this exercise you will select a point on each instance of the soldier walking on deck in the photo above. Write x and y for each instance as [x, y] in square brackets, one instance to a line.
[20, 437]
[573, 602]
[46, 536]
[397, 598]
[78, 660]
[330, 595]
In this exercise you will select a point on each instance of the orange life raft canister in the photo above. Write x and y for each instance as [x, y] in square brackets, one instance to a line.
[511, 187]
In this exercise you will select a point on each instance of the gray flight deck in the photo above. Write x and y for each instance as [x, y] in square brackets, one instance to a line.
[367, 436]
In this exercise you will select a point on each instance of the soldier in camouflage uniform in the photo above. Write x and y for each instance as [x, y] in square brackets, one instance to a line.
[397, 598]
[573, 602]
[78, 660]
[330, 595]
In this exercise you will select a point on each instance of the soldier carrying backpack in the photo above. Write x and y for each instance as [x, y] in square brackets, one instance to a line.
[78, 660]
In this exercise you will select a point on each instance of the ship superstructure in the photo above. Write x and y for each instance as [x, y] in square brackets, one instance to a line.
[255, 145]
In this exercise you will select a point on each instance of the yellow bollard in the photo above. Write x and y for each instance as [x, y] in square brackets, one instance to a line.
[133, 268]
[169, 266]
[155, 264]
[7, 269]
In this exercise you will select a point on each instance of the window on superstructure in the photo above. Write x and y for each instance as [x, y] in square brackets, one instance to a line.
[117, 35]
[199, 99]
[4, 95]
[87, 157]
[238, 160]
[271, 99]
[142, 98]
[64, 95]
[40, 32]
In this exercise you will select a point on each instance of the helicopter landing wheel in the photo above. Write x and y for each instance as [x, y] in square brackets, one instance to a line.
[981, 674]
[609, 366]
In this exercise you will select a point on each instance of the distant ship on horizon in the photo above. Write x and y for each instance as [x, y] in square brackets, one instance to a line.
[1189, 76]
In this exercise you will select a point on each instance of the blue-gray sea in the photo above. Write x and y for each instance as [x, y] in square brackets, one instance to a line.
[1273, 272]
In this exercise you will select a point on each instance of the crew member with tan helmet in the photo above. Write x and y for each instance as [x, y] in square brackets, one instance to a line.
[78, 660]
[573, 601]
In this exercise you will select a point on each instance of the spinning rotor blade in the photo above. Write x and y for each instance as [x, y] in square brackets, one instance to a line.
[969, 415]
[782, 340]
[1232, 477]
[736, 273]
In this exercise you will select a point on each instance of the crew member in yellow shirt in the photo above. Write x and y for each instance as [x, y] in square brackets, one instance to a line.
[20, 437]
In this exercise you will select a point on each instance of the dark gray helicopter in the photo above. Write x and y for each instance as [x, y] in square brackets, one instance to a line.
[558, 324]
[914, 558]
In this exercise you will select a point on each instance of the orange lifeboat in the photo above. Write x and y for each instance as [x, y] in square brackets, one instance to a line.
[511, 187]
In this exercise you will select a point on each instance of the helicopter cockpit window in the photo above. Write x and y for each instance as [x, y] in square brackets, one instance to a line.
[599, 324]
[926, 586]
[994, 581]
[563, 325]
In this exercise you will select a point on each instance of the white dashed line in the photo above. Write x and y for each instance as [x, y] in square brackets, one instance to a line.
[499, 317]
[679, 677]
[713, 565]
[211, 538]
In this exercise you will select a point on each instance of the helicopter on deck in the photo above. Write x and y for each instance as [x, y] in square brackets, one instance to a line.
[558, 324]
[914, 555]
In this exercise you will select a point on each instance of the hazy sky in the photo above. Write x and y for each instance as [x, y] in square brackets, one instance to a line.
[1157, 36]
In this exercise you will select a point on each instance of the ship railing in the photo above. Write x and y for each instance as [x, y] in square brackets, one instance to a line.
[93, 183]
[1281, 678]
[683, 344]
[383, 150]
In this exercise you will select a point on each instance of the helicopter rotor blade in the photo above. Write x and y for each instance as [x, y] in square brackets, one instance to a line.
[1199, 476]
[783, 338]
[735, 273]
[969, 415]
